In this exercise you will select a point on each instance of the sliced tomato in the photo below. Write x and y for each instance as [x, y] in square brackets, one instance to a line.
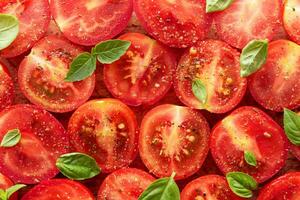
[100, 85]
[6, 87]
[246, 20]
[124, 184]
[144, 74]
[216, 65]
[89, 22]
[34, 19]
[43, 141]
[291, 20]
[5, 183]
[107, 130]
[212, 187]
[173, 139]
[58, 189]
[42, 73]
[176, 23]
[249, 129]
[276, 85]
[286, 187]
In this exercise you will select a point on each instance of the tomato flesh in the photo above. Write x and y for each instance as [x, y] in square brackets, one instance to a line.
[6, 87]
[291, 21]
[5, 183]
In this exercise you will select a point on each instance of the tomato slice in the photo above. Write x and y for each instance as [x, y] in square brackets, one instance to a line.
[246, 20]
[89, 22]
[286, 187]
[107, 130]
[144, 74]
[5, 183]
[42, 73]
[100, 87]
[172, 22]
[6, 87]
[212, 187]
[276, 85]
[173, 139]
[34, 19]
[43, 141]
[249, 129]
[124, 184]
[58, 189]
[216, 64]
[291, 17]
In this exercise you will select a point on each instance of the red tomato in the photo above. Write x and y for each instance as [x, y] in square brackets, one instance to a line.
[291, 17]
[176, 23]
[212, 187]
[249, 129]
[42, 73]
[5, 183]
[276, 85]
[6, 87]
[173, 139]
[34, 19]
[144, 74]
[246, 20]
[89, 22]
[124, 184]
[43, 141]
[286, 187]
[107, 130]
[58, 189]
[100, 86]
[216, 64]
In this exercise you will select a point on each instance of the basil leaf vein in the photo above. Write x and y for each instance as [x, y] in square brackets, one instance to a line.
[291, 121]
[250, 158]
[11, 138]
[217, 5]
[9, 30]
[199, 90]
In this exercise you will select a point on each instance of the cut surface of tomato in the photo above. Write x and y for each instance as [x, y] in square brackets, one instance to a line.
[144, 74]
[128, 183]
[5, 183]
[41, 76]
[276, 85]
[6, 87]
[246, 20]
[34, 19]
[291, 22]
[43, 140]
[87, 22]
[107, 130]
[176, 23]
[173, 139]
[248, 129]
[216, 65]
[58, 189]
[286, 187]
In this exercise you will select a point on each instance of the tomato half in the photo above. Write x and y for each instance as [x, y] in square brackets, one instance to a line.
[176, 23]
[34, 19]
[246, 20]
[216, 65]
[42, 73]
[144, 74]
[276, 85]
[107, 130]
[286, 187]
[58, 189]
[89, 22]
[173, 139]
[212, 187]
[124, 184]
[249, 129]
[6, 87]
[5, 183]
[291, 17]
[43, 141]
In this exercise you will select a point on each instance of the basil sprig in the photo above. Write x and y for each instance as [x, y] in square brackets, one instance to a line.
[291, 121]
[162, 189]
[6, 194]
[250, 158]
[199, 90]
[9, 30]
[11, 138]
[217, 5]
[105, 52]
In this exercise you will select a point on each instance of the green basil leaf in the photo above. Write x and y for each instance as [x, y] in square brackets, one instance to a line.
[9, 29]
[250, 158]
[199, 90]
[291, 121]
[253, 56]
[82, 67]
[241, 184]
[10, 191]
[217, 5]
[110, 51]
[11, 138]
[162, 189]
[2, 195]
[77, 166]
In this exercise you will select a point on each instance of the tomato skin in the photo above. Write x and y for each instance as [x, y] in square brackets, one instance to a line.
[291, 22]
[6, 87]
[5, 183]
[286, 187]
[249, 129]
[127, 183]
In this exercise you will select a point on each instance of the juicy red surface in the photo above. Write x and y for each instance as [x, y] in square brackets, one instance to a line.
[6, 87]
[5, 183]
